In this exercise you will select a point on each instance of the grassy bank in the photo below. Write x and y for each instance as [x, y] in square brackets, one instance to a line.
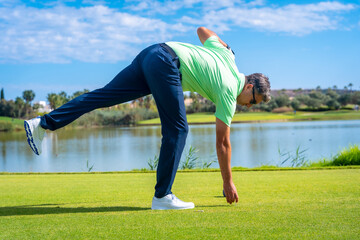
[346, 157]
[8, 124]
[317, 204]
[197, 118]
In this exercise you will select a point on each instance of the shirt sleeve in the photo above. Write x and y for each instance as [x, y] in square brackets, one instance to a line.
[225, 109]
[213, 42]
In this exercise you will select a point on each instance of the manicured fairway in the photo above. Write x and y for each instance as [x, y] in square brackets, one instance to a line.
[201, 118]
[300, 204]
[266, 116]
[17, 124]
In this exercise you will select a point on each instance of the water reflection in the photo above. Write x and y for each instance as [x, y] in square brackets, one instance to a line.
[115, 149]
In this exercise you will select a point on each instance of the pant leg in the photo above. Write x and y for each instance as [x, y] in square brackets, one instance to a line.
[165, 85]
[129, 84]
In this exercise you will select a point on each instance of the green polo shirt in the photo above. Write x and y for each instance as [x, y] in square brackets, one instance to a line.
[211, 71]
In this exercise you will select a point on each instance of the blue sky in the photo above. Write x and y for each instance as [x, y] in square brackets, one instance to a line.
[53, 46]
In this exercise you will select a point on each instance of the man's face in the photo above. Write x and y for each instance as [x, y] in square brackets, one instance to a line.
[248, 96]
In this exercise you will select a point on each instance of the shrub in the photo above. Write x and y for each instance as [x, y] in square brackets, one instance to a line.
[282, 110]
[282, 100]
[350, 156]
[333, 104]
[295, 104]
[5, 126]
[109, 117]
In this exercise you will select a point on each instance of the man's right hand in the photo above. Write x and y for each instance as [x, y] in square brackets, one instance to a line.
[230, 192]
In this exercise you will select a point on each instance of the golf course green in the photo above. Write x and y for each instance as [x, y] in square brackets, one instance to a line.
[200, 118]
[7, 123]
[296, 204]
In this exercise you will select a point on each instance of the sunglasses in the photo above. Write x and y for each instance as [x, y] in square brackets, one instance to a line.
[253, 101]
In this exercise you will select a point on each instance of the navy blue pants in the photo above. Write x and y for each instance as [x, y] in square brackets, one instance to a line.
[154, 72]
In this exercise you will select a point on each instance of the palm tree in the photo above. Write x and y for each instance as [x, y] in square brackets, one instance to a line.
[28, 96]
[53, 100]
[19, 103]
[350, 86]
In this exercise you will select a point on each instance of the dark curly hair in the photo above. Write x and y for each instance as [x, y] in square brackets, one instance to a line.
[261, 84]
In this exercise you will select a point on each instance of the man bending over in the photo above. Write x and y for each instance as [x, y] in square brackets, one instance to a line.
[165, 70]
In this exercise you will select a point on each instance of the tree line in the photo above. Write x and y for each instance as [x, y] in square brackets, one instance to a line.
[145, 108]
[122, 114]
[22, 107]
[315, 100]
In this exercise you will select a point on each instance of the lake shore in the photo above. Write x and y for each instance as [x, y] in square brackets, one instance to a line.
[196, 170]
[261, 117]
[209, 118]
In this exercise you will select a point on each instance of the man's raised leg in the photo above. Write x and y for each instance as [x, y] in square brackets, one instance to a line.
[129, 84]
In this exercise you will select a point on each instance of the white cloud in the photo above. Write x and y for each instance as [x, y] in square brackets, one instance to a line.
[323, 7]
[154, 7]
[293, 19]
[170, 7]
[256, 3]
[223, 15]
[63, 34]
[9, 2]
[141, 6]
[59, 33]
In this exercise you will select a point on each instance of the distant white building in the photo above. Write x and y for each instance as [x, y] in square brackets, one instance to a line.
[188, 101]
[43, 107]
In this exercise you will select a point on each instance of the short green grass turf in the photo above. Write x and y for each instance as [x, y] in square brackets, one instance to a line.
[265, 116]
[306, 204]
[16, 121]
[198, 118]
[18, 124]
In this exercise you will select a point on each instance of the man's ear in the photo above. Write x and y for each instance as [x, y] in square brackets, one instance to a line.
[249, 86]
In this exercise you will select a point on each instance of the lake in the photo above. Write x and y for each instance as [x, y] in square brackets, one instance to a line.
[119, 149]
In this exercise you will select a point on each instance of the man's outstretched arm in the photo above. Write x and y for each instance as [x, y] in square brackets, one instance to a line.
[205, 33]
[223, 149]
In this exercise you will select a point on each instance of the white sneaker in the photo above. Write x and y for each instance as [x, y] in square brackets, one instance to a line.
[35, 134]
[170, 201]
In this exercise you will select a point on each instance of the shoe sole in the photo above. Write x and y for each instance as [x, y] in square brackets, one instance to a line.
[30, 138]
[170, 208]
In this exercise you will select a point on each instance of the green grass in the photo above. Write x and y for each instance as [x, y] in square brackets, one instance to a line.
[316, 204]
[197, 118]
[348, 156]
[8, 123]
[16, 121]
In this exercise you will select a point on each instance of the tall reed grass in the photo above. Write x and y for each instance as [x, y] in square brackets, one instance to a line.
[348, 156]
